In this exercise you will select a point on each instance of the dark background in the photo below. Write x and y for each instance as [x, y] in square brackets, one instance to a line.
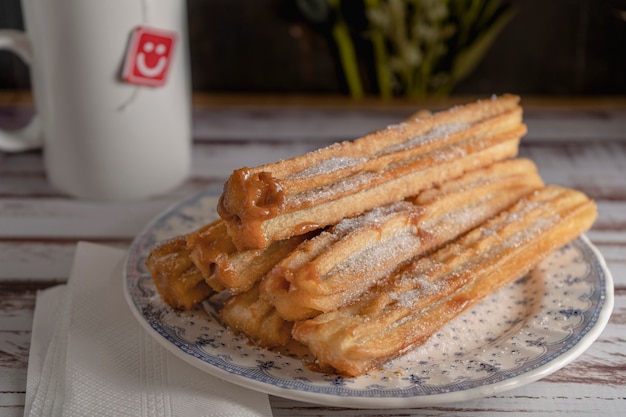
[551, 47]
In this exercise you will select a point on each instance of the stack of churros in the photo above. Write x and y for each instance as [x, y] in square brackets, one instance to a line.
[362, 250]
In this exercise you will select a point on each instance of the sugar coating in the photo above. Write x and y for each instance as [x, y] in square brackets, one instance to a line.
[422, 287]
[377, 216]
[454, 220]
[335, 164]
[328, 166]
[437, 133]
[340, 187]
[416, 283]
[376, 256]
[449, 154]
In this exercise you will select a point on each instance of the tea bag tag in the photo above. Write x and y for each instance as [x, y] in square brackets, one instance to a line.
[148, 57]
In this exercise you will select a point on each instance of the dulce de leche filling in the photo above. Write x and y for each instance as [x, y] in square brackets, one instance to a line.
[254, 197]
[259, 196]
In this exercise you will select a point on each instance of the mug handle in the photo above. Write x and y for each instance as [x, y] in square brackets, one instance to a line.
[30, 136]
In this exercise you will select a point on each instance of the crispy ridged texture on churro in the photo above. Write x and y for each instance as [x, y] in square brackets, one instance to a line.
[257, 319]
[179, 283]
[287, 198]
[421, 297]
[224, 267]
[339, 265]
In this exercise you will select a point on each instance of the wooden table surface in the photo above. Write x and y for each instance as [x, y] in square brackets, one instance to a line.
[580, 144]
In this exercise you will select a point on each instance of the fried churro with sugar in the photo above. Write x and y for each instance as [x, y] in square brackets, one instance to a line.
[287, 198]
[179, 283]
[224, 267]
[419, 298]
[257, 319]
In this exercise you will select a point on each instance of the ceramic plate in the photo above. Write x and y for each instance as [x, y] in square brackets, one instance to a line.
[523, 332]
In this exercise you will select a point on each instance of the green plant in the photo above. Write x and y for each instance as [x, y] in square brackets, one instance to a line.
[419, 47]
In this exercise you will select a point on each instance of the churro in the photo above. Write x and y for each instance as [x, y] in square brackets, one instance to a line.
[178, 281]
[419, 298]
[224, 267]
[257, 319]
[287, 198]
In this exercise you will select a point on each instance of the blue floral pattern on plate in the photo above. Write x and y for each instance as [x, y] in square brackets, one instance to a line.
[523, 332]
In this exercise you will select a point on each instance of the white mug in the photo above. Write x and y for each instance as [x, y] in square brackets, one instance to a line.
[113, 127]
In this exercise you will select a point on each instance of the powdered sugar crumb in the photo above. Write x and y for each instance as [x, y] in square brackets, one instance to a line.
[448, 154]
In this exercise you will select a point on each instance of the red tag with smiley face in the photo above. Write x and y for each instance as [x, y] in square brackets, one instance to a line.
[149, 56]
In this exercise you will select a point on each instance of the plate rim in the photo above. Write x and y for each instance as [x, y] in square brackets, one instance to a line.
[604, 312]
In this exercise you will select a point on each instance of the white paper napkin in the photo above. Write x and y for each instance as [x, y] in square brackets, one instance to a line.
[89, 356]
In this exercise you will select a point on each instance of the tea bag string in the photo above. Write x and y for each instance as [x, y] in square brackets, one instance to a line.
[145, 8]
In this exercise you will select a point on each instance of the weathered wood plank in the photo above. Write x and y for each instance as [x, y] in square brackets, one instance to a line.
[218, 160]
[34, 261]
[14, 347]
[11, 403]
[58, 218]
[569, 125]
[293, 124]
[537, 399]
[17, 303]
[590, 167]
